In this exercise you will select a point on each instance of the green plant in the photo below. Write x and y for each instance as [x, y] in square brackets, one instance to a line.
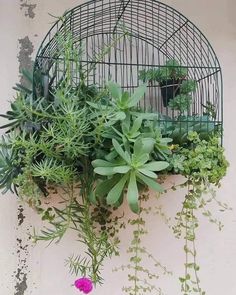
[181, 103]
[179, 128]
[177, 74]
[9, 166]
[203, 165]
[188, 86]
[140, 277]
[95, 147]
[132, 168]
[172, 70]
[210, 110]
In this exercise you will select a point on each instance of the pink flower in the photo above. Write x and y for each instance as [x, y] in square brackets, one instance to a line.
[84, 285]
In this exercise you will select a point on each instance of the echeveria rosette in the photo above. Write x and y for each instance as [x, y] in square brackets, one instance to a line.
[85, 285]
[118, 106]
[128, 170]
[123, 101]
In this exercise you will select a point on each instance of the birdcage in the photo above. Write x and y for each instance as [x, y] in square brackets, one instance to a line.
[134, 42]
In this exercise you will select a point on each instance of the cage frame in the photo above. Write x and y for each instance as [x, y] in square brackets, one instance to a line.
[86, 14]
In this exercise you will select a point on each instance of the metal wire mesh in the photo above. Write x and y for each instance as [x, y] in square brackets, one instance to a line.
[156, 33]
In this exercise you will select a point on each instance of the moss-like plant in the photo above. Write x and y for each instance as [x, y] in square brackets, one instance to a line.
[171, 70]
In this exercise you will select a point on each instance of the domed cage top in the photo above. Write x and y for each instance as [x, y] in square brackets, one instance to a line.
[132, 41]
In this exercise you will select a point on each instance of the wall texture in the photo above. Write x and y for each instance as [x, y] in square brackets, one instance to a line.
[39, 270]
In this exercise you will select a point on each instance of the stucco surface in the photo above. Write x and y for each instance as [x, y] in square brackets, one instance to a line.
[39, 270]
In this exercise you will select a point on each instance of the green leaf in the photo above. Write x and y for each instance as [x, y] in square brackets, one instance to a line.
[102, 163]
[143, 146]
[116, 131]
[148, 145]
[150, 183]
[138, 145]
[105, 186]
[22, 88]
[115, 90]
[106, 171]
[182, 280]
[115, 193]
[28, 75]
[119, 116]
[92, 198]
[8, 125]
[94, 105]
[121, 169]
[156, 166]
[111, 156]
[120, 151]
[136, 125]
[124, 98]
[137, 95]
[141, 160]
[147, 172]
[132, 193]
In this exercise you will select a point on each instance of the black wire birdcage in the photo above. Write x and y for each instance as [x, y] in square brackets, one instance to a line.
[150, 41]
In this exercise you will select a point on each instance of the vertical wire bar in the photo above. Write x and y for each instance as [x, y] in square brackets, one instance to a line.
[93, 40]
[152, 85]
[110, 37]
[166, 50]
[194, 76]
[137, 44]
[160, 104]
[187, 64]
[115, 49]
[173, 54]
[208, 95]
[147, 97]
[81, 42]
[130, 39]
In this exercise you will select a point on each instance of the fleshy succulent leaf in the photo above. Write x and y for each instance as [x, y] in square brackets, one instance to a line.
[115, 193]
[105, 171]
[102, 163]
[121, 169]
[156, 166]
[120, 151]
[150, 183]
[147, 172]
[133, 194]
[137, 95]
[115, 90]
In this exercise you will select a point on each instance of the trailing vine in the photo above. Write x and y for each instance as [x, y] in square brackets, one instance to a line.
[203, 165]
[140, 277]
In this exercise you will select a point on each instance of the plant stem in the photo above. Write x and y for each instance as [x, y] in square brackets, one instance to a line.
[136, 255]
[194, 254]
[186, 252]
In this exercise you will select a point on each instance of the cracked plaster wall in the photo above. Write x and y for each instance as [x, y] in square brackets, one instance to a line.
[26, 269]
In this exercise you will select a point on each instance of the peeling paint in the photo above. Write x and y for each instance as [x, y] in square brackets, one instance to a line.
[20, 215]
[28, 8]
[22, 246]
[22, 267]
[21, 286]
[22, 252]
[24, 56]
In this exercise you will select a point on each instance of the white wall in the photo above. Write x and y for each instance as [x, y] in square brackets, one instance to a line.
[25, 269]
